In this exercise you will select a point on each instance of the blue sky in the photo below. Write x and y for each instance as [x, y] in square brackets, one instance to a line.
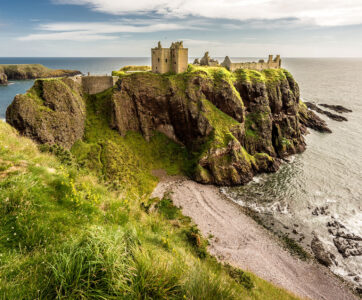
[293, 28]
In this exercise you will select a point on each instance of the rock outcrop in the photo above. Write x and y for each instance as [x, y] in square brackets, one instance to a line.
[309, 119]
[52, 112]
[233, 125]
[337, 108]
[3, 79]
[330, 115]
[238, 127]
[33, 71]
[323, 256]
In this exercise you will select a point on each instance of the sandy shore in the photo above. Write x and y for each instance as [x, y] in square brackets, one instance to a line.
[240, 241]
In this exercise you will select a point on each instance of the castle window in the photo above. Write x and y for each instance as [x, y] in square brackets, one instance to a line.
[166, 60]
[158, 59]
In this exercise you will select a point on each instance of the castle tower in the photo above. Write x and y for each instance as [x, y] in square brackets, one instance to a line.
[278, 61]
[173, 59]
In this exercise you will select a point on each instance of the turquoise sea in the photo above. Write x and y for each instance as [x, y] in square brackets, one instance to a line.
[328, 174]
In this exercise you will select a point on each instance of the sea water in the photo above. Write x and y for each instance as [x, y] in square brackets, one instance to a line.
[328, 174]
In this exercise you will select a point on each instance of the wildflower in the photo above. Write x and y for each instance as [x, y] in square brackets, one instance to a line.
[14, 233]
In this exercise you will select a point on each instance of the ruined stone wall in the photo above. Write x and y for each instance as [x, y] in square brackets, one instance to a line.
[259, 66]
[97, 84]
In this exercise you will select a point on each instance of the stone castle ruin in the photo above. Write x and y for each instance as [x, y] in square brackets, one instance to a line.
[173, 59]
[94, 84]
[259, 66]
[206, 60]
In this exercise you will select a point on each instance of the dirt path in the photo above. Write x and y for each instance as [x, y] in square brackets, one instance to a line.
[239, 240]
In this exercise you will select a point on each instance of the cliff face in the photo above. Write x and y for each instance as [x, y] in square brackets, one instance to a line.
[236, 124]
[3, 78]
[233, 125]
[52, 111]
[33, 71]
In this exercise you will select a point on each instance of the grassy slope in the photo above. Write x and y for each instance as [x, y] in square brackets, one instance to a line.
[67, 233]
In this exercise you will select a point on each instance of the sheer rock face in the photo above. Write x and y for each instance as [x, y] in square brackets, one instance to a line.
[3, 78]
[237, 129]
[52, 112]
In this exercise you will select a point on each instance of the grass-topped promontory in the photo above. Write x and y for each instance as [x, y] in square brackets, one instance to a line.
[81, 223]
[70, 230]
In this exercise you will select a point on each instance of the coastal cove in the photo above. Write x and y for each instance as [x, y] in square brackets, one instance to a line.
[312, 189]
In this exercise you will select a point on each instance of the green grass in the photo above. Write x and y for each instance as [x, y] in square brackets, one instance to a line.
[81, 224]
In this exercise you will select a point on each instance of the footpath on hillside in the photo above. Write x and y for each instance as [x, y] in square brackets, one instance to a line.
[239, 240]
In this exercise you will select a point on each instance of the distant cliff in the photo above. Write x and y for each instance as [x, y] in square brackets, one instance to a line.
[33, 71]
[3, 78]
[233, 125]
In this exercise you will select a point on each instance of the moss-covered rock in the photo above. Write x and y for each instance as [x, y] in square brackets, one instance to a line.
[223, 118]
[51, 112]
[232, 125]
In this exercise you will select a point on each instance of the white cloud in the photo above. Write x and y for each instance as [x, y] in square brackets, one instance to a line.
[70, 36]
[320, 12]
[90, 31]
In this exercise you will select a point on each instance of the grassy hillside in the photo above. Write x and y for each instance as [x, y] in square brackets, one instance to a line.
[70, 233]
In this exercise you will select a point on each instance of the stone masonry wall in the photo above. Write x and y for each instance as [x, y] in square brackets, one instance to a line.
[259, 66]
[97, 84]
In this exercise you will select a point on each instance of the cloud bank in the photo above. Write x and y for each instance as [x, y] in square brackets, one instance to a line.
[318, 12]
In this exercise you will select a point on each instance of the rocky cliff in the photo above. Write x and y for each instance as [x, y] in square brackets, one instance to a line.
[237, 124]
[33, 71]
[52, 111]
[3, 78]
[233, 125]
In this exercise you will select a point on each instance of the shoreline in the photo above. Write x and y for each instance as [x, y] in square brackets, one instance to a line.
[239, 240]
